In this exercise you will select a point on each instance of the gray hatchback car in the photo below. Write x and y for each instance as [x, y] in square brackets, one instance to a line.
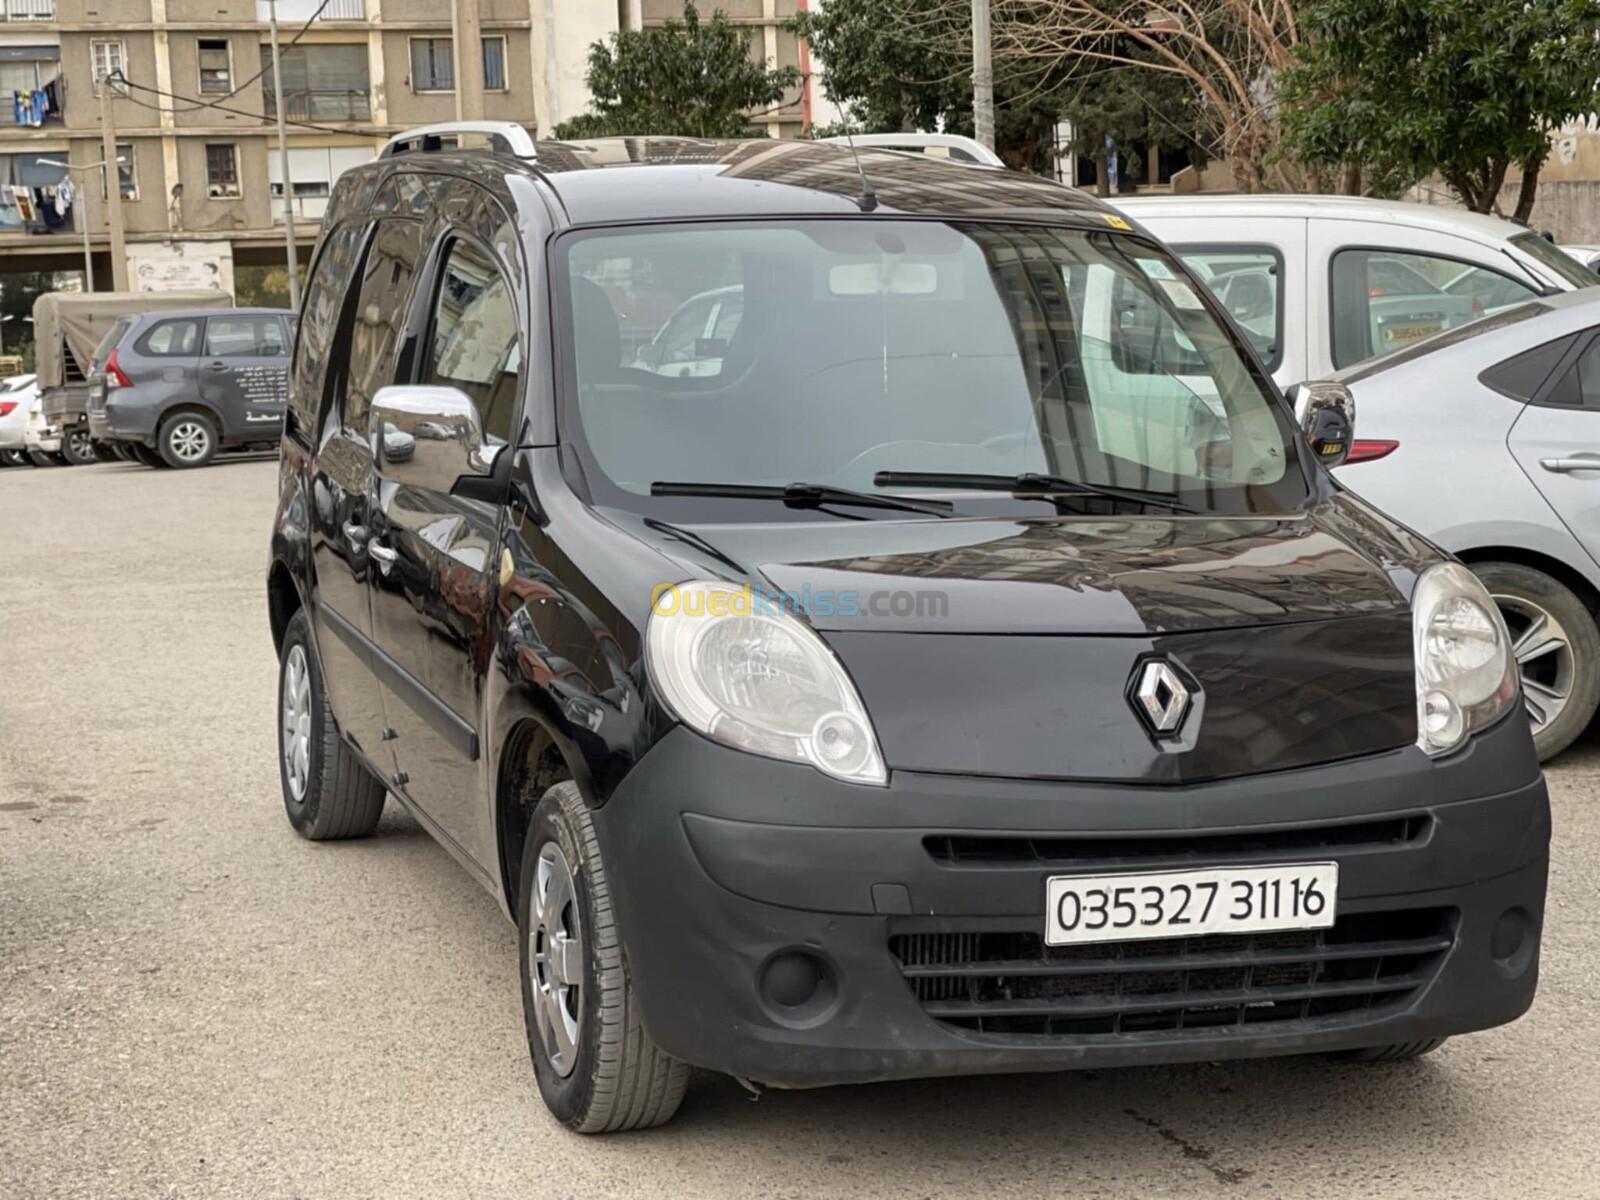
[172, 388]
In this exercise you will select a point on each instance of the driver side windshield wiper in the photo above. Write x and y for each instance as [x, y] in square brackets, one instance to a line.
[1029, 483]
[804, 495]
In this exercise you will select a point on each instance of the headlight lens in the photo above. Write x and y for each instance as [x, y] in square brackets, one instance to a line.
[758, 679]
[1466, 676]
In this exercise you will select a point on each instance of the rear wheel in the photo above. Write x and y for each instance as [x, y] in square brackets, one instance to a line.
[1557, 647]
[78, 446]
[15, 458]
[43, 458]
[187, 440]
[597, 1068]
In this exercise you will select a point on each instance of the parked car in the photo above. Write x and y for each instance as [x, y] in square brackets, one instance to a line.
[978, 671]
[1589, 256]
[68, 327]
[1484, 440]
[18, 395]
[1353, 279]
[175, 387]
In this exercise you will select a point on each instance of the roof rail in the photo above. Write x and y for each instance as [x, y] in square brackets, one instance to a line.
[965, 150]
[506, 136]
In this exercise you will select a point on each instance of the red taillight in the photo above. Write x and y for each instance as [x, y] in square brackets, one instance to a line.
[114, 376]
[1369, 449]
[1374, 292]
[7, 407]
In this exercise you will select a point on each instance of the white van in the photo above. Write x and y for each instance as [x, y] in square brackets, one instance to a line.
[1323, 282]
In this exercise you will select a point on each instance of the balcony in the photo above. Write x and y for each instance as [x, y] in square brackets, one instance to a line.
[45, 10]
[323, 105]
[298, 12]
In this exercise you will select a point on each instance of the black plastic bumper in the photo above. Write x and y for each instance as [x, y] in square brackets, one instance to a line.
[724, 864]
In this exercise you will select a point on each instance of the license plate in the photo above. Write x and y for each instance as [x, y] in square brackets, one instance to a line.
[1409, 333]
[1164, 904]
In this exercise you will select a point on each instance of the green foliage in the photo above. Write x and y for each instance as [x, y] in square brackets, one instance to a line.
[1416, 86]
[263, 287]
[18, 291]
[690, 78]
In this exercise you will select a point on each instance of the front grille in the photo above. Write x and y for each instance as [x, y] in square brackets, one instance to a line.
[1234, 847]
[1010, 983]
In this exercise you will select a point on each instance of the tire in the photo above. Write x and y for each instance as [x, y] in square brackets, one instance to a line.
[608, 1076]
[1398, 1052]
[1558, 651]
[147, 456]
[107, 452]
[43, 458]
[327, 792]
[77, 447]
[187, 439]
[15, 458]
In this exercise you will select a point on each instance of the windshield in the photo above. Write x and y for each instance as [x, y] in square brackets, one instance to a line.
[1555, 260]
[831, 351]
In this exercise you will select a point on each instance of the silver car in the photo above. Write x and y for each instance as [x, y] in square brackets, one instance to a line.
[1486, 439]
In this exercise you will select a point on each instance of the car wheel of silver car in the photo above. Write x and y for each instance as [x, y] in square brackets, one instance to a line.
[187, 440]
[597, 1068]
[14, 458]
[327, 791]
[1557, 648]
[78, 447]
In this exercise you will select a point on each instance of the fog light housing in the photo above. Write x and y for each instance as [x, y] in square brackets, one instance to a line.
[798, 988]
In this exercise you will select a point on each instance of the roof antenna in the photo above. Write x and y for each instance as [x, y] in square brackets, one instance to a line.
[868, 201]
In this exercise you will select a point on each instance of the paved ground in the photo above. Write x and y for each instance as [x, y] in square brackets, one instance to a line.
[196, 1003]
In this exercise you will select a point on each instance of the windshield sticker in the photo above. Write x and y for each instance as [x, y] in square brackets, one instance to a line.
[1181, 294]
[1155, 268]
[1115, 221]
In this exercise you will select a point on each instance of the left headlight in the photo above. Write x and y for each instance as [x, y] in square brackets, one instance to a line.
[1466, 675]
[751, 676]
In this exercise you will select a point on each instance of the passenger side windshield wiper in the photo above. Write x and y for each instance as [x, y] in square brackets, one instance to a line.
[1028, 484]
[803, 495]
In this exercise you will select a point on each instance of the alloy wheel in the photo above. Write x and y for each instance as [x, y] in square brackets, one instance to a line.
[189, 441]
[1543, 651]
[296, 740]
[80, 446]
[556, 955]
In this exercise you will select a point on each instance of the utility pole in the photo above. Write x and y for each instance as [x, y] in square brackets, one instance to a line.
[283, 164]
[466, 43]
[112, 175]
[982, 75]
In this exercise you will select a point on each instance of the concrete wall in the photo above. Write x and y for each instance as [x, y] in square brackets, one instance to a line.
[203, 214]
[183, 48]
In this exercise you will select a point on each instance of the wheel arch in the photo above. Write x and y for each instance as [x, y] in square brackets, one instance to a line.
[283, 600]
[531, 761]
[189, 405]
[1563, 573]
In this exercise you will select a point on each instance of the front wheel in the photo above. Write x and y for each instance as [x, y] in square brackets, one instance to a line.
[78, 447]
[1557, 648]
[327, 792]
[187, 440]
[597, 1068]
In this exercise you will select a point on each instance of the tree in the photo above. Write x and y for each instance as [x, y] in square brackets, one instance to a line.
[689, 78]
[1464, 89]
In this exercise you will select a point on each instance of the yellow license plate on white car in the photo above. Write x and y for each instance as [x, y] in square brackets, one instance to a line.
[1164, 904]
[1402, 334]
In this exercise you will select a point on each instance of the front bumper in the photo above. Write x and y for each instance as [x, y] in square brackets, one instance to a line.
[728, 870]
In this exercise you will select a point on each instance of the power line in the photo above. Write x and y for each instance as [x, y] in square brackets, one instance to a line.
[122, 79]
[196, 103]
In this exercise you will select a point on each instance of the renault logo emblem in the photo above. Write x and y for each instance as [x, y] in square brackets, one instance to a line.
[1160, 697]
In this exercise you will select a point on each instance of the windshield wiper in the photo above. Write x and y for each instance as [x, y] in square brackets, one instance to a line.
[1029, 483]
[803, 495]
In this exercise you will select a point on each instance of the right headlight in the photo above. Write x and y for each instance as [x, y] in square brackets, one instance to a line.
[1466, 675]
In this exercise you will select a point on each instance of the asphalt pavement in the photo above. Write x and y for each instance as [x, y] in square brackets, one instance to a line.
[196, 1003]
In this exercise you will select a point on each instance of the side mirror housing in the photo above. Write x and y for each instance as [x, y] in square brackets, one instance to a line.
[1326, 412]
[431, 437]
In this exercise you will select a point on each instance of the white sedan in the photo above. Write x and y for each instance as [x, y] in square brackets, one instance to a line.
[19, 397]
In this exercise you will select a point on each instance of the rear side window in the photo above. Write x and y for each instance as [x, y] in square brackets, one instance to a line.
[1384, 300]
[244, 337]
[112, 338]
[1247, 282]
[1579, 384]
[319, 318]
[1522, 375]
[178, 338]
[475, 346]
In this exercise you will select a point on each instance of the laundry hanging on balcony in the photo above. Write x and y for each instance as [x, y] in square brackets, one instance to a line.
[32, 105]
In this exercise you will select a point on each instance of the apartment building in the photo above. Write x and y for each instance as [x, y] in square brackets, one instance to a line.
[200, 178]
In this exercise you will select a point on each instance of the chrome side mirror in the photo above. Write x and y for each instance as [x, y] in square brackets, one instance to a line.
[428, 437]
[1326, 412]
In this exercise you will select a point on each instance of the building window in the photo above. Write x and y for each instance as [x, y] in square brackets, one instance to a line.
[126, 172]
[494, 64]
[433, 64]
[216, 66]
[222, 171]
[321, 82]
[108, 58]
[432, 69]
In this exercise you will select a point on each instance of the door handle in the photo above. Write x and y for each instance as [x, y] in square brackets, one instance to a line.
[355, 534]
[382, 555]
[1562, 466]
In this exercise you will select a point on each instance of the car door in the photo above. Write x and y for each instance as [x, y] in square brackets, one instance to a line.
[242, 374]
[1556, 442]
[360, 358]
[432, 611]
